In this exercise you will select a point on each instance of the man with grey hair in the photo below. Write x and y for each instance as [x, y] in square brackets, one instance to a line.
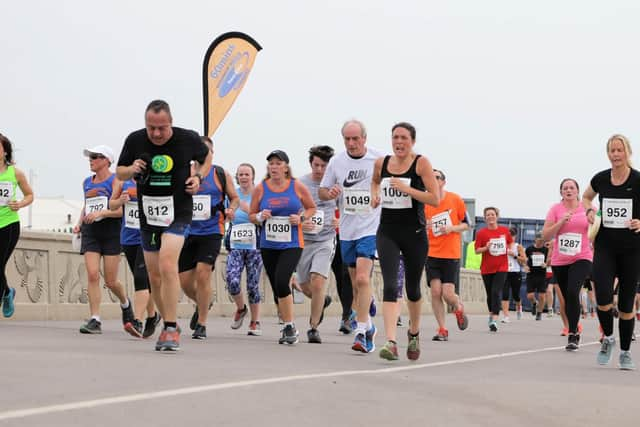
[348, 179]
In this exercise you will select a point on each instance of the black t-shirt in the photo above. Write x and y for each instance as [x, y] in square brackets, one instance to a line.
[618, 204]
[532, 250]
[167, 173]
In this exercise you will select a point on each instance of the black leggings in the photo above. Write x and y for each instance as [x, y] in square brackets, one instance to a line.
[513, 283]
[343, 281]
[280, 265]
[411, 241]
[493, 284]
[135, 259]
[570, 280]
[622, 263]
[9, 236]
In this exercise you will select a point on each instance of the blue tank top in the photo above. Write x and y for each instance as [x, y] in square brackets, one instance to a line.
[130, 231]
[208, 199]
[281, 204]
[242, 217]
[96, 198]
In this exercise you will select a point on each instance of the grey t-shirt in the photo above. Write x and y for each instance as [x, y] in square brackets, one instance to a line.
[325, 211]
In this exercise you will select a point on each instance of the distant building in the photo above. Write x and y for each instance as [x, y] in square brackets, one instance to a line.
[51, 214]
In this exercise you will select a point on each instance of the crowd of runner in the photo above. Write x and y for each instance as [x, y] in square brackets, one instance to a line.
[170, 209]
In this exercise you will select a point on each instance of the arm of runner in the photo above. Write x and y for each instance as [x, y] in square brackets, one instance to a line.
[432, 195]
[587, 202]
[375, 183]
[118, 197]
[307, 203]
[234, 199]
[257, 216]
[25, 188]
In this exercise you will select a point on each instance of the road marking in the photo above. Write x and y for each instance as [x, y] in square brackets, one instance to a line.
[87, 404]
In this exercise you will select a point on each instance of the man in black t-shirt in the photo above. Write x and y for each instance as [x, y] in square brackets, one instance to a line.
[537, 255]
[159, 159]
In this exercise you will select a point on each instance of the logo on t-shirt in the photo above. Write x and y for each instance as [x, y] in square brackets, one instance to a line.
[162, 164]
[354, 177]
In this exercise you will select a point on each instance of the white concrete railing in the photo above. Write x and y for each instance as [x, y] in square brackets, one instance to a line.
[50, 281]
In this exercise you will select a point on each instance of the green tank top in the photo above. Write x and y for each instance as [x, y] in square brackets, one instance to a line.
[8, 185]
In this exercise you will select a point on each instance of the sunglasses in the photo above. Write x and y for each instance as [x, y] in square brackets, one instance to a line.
[439, 178]
[96, 156]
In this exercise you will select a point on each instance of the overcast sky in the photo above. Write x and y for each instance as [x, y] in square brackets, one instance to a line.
[508, 97]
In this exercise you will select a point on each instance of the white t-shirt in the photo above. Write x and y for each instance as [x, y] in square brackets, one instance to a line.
[354, 178]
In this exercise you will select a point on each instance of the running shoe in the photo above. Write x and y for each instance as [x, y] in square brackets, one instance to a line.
[461, 319]
[134, 328]
[200, 332]
[313, 336]
[345, 327]
[92, 326]
[370, 337]
[327, 302]
[505, 320]
[572, 342]
[441, 335]
[519, 314]
[493, 326]
[127, 315]
[193, 323]
[238, 317]
[538, 316]
[289, 335]
[606, 349]
[372, 308]
[399, 322]
[360, 343]
[389, 351]
[8, 306]
[413, 350]
[150, 325]
[169, 340]
[254, 329]
[549, 312]
[626, 362]
[534, 308]
[564, 332]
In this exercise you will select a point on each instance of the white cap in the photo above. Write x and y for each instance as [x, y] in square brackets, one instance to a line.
[100, 149]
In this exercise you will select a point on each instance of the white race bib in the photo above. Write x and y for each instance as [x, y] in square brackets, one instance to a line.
[537, 260]
[317, 219]
[158, 210]
[6, 192]
[96, 204]
[616, 213]
[392, 198]
[243, 235]
[131, 215]
[439, 222]
[498, 246]
[201, 207]
[356, 201]
[570, 243]
[278, 229]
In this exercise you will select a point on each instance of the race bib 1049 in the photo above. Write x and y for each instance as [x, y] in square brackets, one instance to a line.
[356, 201]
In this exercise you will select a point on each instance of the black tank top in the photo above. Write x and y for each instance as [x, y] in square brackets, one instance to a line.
[410, 216]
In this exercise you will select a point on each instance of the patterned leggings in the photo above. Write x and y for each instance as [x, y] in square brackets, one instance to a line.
[237, 260]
